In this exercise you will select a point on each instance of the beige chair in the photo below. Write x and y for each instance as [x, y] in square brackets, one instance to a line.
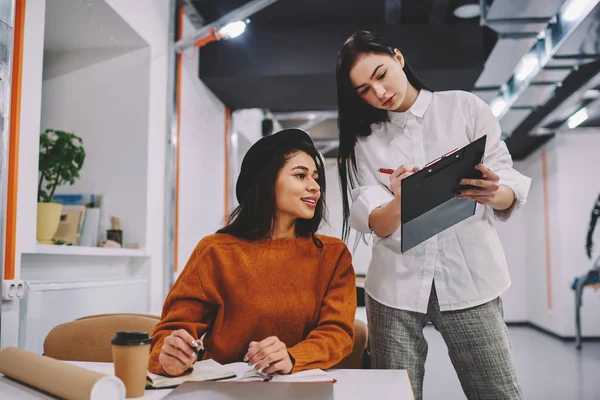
[355, 359]
[88, 338]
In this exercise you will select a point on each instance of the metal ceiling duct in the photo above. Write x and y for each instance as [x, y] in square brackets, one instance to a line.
[540, 43]
[580, 92]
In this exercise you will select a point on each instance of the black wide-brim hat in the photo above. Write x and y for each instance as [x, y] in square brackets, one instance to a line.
[260, 154]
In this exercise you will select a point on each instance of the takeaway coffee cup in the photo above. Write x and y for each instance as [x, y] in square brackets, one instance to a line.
[131, 351]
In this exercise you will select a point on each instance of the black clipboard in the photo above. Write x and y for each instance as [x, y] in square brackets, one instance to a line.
[429, 205]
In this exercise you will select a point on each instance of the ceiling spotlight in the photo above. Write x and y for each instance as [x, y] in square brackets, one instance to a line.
[213, 34]
[591, 94]
[467, 11]
[232, 30]
[526, 66]
[498, 106]
[576, 119]
[576, 9]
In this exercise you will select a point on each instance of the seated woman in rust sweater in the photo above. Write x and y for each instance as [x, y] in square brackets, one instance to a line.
[265, 288]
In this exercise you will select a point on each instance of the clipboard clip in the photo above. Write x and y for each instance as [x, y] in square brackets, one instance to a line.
[456, 156]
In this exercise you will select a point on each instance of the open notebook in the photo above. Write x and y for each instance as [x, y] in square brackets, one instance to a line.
[247, 373]
[205, 370]
[210, 370]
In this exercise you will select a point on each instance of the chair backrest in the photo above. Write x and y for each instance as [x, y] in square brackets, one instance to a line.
[88, 338]
[354, 360]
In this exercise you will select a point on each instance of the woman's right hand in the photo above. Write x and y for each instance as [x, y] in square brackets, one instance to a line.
[177, 354]
[397, 176]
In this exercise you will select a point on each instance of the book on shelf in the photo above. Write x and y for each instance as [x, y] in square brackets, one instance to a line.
[88, 200]
[89, 227]
[70, 225]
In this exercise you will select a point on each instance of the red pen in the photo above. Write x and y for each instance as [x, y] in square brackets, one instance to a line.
[386, 171]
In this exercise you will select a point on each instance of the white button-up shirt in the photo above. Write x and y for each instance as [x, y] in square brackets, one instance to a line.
[466, 261]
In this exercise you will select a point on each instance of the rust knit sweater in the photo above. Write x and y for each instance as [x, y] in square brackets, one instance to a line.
[240, 291]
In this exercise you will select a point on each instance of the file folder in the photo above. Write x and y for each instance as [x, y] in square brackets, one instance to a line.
[429, 205]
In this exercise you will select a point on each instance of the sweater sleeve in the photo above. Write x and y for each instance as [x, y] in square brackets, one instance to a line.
[186, 307]
[333, 337]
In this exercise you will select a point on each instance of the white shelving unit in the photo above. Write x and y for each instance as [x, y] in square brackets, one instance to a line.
[48, 249]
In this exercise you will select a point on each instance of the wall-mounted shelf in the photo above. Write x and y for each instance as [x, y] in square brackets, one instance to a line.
[87, 251]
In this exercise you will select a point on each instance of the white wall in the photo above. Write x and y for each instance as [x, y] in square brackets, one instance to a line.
[556, 219]
[544, 297]
[513, 239]
[202, 158]
[153, 26]
[106, 104]
[246, 129]
[579, 185]
[248, 123]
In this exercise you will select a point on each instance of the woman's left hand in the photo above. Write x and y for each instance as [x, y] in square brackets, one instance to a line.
[487, 186]
[270, 354]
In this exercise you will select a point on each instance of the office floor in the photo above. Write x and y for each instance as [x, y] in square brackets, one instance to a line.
[548, 369]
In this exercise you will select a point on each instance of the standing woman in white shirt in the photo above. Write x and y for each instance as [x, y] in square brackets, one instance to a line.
[388, 119]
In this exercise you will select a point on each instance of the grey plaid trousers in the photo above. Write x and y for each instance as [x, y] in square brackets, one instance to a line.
[477, 341]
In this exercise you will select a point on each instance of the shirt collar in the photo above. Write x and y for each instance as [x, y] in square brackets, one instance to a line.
[417, 109]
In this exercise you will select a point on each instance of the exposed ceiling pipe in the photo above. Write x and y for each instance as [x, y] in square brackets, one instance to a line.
[192, 14]
[295, 115]
[484, 21]
[561, 26]
[576, 91]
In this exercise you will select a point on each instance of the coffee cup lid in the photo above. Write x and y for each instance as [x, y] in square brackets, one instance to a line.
[131, 339]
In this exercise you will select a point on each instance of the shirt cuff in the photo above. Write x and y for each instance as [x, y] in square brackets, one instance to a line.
[365, 200]
[520, 185]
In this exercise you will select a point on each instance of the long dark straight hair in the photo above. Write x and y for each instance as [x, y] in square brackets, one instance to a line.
[254, 218]
[355, 115]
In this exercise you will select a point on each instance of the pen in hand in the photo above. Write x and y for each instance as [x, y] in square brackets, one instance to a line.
[198, 347]
[389, 171]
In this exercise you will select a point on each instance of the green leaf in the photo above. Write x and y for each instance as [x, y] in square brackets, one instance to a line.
[61, 157]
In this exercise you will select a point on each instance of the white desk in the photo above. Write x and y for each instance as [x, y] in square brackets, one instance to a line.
[351, 384]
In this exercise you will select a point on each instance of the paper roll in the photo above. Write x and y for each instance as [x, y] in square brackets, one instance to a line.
[59, 378]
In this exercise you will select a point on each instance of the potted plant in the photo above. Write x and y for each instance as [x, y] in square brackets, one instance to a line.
[61, 159]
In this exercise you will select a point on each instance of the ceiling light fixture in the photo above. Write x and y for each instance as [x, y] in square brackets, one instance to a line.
[576, 119]
[526, 66]
[467, 11]
[591, 94]
[576, 9]
[228, 26]
[229, 31]
[232, 30]
[497, 106]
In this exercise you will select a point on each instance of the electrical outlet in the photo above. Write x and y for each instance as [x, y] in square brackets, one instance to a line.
[20, 289]
[9, 289]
